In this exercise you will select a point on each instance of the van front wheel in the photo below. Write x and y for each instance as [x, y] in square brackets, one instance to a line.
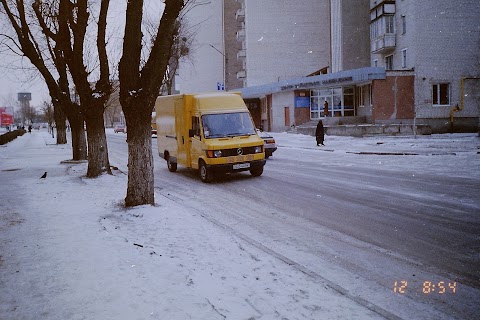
[205, 174]
[172, 166]
[256, 172]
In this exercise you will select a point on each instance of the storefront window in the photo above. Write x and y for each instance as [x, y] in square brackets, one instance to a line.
[314, 105]
[341, 102]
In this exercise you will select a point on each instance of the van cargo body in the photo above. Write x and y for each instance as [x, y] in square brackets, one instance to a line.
[213, 133]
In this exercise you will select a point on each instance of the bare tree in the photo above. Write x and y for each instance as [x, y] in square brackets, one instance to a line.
[29, 113]
[73, 20]
[181, 49]
[48, 116]
[49, 62]
[112, 106]
[139, 88]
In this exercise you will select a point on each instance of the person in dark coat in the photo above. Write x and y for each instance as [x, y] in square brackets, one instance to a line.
[320, 133]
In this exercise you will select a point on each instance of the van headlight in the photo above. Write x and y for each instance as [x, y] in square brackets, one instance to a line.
[214, 153]
[258, 149]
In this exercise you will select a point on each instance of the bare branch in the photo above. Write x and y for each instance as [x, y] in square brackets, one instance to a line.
[103, 84]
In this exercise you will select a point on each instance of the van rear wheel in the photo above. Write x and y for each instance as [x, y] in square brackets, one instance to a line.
[205, 174]
[172, 166]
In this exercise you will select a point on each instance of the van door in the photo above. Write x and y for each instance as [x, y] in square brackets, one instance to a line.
[196, 142]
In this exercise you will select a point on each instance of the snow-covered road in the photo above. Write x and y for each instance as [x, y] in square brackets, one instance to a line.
[300, 242]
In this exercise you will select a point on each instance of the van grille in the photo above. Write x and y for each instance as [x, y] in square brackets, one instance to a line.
[234, 151]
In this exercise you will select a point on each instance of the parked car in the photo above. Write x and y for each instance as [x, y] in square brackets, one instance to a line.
[119, 128]
[269, 143]
[154, 133]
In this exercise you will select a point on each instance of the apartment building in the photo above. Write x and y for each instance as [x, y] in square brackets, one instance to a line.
[372, 61]
[431, 53]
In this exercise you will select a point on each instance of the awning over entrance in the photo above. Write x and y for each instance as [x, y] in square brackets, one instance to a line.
[343, 78]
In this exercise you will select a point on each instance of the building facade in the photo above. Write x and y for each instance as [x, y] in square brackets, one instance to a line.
[205, 68]
[431, 52]
[289, 58]
[284, 39]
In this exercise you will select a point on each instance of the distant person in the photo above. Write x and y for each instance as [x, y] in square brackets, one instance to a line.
[320, 133]
[325, 108]
[30, 129]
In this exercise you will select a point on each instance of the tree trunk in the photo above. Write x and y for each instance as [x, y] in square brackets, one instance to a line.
[97, 147]
[77, 124]
[140, 161]
[60, 119]
[79, 142]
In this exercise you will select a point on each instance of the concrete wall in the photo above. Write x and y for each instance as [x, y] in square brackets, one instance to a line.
[355, 34]
[279, 102]
[369, 129]
[286, 39]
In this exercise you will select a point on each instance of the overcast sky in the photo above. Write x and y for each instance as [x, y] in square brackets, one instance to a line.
[17, 74]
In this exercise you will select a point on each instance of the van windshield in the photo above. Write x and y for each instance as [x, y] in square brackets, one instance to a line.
[227, 125]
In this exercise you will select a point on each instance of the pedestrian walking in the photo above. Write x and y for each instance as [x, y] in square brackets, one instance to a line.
[30, 129]
[320, 133]
[325, 108]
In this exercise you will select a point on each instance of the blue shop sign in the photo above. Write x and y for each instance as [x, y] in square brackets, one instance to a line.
[302, 102]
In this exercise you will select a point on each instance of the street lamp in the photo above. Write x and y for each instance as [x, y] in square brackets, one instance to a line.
[223, 64]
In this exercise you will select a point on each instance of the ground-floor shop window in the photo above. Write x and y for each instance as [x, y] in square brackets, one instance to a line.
[341, 102]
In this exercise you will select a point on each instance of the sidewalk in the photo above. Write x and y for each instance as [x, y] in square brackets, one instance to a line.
[68, 250]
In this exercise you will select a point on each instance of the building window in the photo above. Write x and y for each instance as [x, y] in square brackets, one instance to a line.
[370, 94]
[382, 26]
[360, 97]
[348, 108]
[404, 58]
[389, 62]
[441, 94]
[375, 63]
[389, 24]
[404, 24]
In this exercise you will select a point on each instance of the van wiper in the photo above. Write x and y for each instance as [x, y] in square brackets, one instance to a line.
[217, 135]
[240, 134]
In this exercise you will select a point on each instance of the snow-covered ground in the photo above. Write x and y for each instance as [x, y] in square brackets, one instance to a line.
[69, 250]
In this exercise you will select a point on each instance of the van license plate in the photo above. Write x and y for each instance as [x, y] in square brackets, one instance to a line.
[241, 165]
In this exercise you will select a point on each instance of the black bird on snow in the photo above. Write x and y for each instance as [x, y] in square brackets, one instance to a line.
[44, 175]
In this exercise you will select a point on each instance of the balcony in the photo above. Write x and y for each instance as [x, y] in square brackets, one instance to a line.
[240, 14]
[241, 54]
[384, 43]
[241, 35]
[241, 74]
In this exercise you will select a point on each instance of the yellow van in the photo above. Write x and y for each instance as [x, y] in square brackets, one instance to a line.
[212, 132]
